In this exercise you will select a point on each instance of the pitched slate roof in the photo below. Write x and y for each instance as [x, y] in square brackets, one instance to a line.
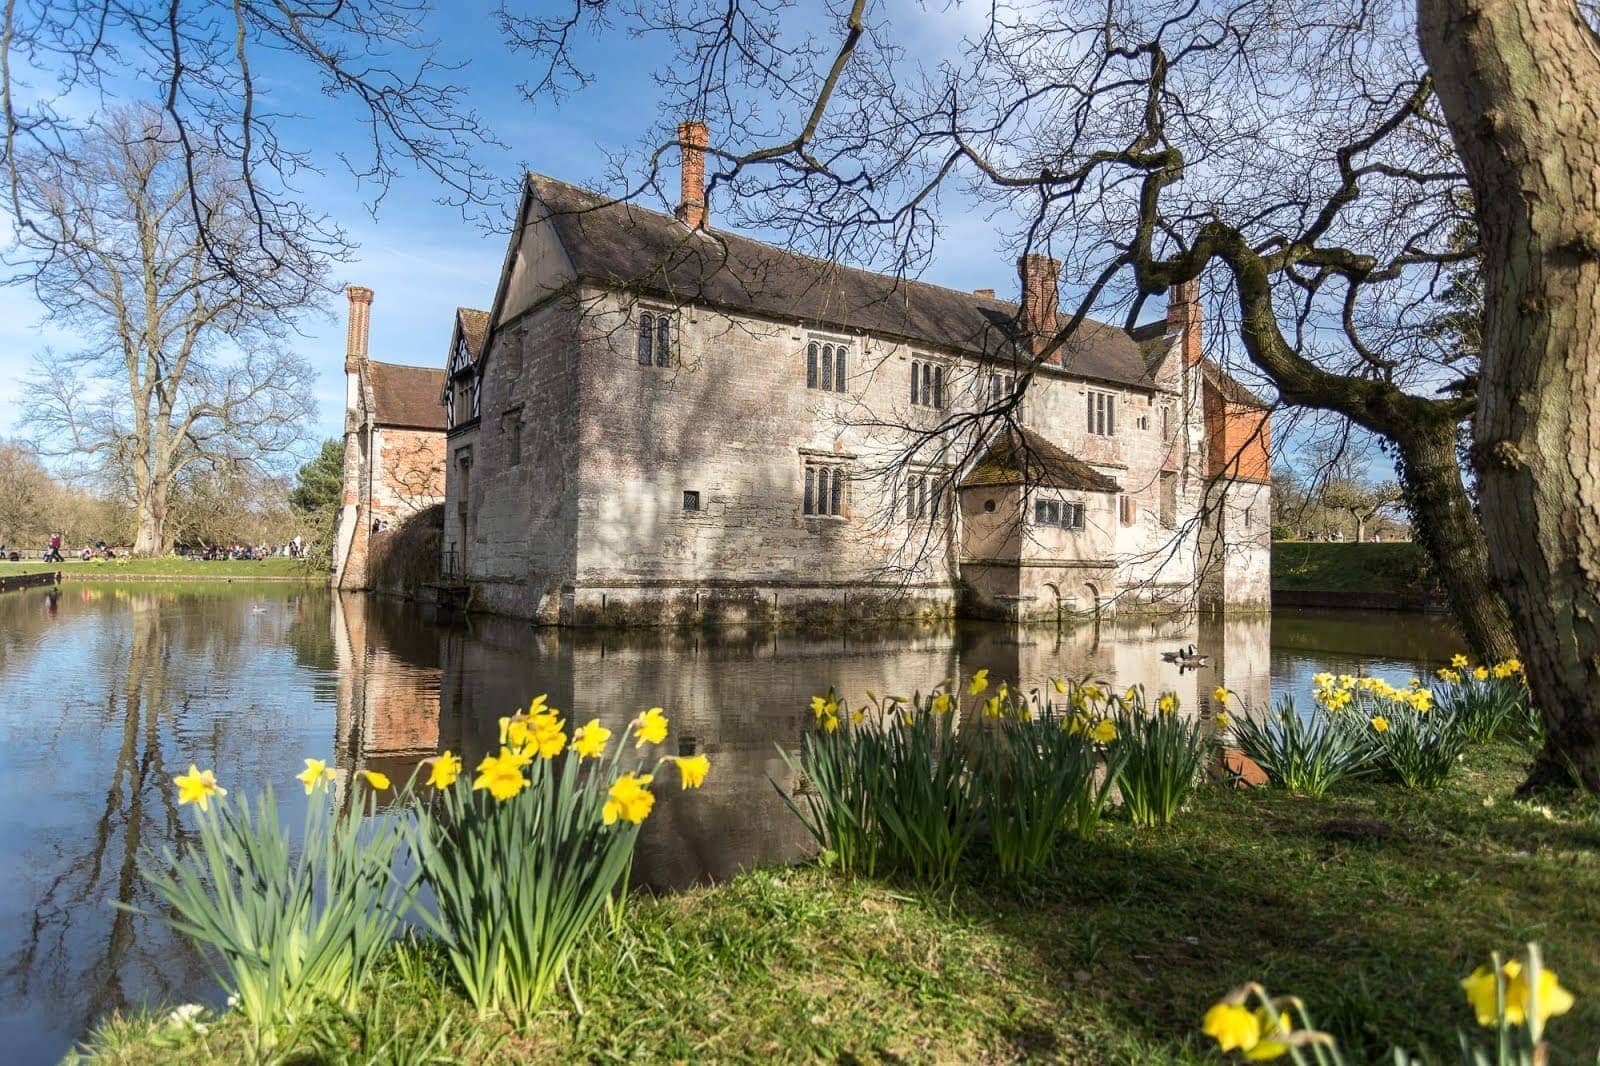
[624, 244]
[474, 324]
[406, 396]
[1232, 390]
[1021, 455]
[1155, 342]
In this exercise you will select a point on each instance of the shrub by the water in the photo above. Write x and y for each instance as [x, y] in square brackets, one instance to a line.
[291, 927]
[521, 863]
[1308, 754]
[1163, 752]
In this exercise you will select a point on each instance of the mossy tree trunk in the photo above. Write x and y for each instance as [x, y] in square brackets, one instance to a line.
[1519, 81]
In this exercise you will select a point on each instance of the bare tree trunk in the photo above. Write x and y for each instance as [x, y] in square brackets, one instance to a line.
[151, 511]
[1519, 81]
[1450, 534]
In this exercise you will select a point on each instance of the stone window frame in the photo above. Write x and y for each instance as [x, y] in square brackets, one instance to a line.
[829, 358]
[1102, 412]
[925, 496]
[511, 426]
[934, 396]
[832, 471]
[1054, 512]
[665, 332]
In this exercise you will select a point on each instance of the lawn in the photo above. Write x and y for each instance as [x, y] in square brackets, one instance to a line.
[1371, 905]
[168, 567]
[1305, 566]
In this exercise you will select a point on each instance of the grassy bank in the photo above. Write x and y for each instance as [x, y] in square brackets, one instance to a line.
[1303, 566]
[185, 569]
[1370, 905]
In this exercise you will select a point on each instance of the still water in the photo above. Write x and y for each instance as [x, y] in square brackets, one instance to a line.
[106, 692]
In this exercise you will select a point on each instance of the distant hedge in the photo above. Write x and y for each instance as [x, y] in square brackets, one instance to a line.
[1390, 566]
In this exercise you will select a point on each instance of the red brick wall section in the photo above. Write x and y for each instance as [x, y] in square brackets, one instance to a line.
[1238, 439]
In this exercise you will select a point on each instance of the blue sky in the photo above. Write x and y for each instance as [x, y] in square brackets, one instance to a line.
[422, 259]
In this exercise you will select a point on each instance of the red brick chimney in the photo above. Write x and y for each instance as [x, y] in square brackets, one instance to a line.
[1184, 317]
[692, 139]
[986, 294]
[355, 336]
[1037, 318]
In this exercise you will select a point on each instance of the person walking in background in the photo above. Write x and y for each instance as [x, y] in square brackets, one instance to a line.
[54, 554]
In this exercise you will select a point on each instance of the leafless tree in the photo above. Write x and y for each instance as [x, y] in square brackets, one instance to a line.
[183, 365]
[206, 61]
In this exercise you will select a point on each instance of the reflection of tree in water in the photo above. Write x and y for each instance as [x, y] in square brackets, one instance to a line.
[80, 950]
[310, 639]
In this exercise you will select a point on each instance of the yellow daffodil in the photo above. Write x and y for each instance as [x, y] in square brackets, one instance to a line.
[1266, 1047]
[1131, 695]
[1220, 695]
[198, 786]
[940, 704]
[822, 706]
[991, 707]
[501, 775]
[1481, 994]
[1077, 725]
[377, 781]
[1222, 721]
[979, 682]
[1481, 674]
[1060, 685]
[316, 773]
[692, 770]
[1459, 661]
[1232, 1026]
[1104, 731]
[1380, 724]
[546, 735]
[443, 770]
[651, 727]
[858, 717]
[629, 799]
[1421, 699]
[590, 740]
[1093, 692]
[1168, 703]
[1322, 680]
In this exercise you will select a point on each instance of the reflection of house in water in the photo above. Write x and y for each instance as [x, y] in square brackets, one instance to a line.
[388, 689]
[409, 688]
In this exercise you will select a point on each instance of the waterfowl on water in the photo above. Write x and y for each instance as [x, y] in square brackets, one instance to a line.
[1185, 658]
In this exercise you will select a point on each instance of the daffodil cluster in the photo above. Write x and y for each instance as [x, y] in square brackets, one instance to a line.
[1515, 997]
[1338, 693]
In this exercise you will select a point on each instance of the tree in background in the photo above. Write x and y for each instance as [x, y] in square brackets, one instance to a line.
[34, 504]
[184, 364]
[205, 61]
[315, 498]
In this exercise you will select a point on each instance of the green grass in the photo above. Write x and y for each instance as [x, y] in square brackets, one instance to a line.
[1371, 904]
[1303, 566]
[112, 569]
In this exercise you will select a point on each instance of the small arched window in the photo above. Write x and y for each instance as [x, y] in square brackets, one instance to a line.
[822, 490]
[827, 367]
[938, 386]
[838, 381]
[838, 491]
[663, 341]
[647, 332]
[915, 395]
[811, 365]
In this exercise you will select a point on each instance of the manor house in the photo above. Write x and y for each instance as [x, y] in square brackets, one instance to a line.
[665, 421]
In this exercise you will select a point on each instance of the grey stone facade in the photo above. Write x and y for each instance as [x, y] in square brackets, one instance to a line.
[600, 482]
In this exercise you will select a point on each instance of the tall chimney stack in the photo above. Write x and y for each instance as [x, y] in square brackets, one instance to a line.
[355, 337]
[1040, 275]
[1184, 318]
[692, 140]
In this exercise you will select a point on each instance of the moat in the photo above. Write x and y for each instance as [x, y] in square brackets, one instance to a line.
[108, 691]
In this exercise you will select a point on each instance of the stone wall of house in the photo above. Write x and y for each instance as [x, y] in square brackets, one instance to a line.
[517, 468]
[732, 422]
